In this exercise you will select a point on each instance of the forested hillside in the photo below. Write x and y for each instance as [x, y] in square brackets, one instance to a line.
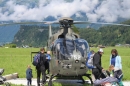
[108, 35]
[30, 35]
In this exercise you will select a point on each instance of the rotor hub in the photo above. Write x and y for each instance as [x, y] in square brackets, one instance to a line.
[66, 23]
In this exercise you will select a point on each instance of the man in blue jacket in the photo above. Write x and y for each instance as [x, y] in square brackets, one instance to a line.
[29, 75]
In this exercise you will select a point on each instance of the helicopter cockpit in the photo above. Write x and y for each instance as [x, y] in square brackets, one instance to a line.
[64, 48]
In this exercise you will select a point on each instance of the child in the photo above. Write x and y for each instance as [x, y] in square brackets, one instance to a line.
[117, 73]
[29, 75]
[48, 57]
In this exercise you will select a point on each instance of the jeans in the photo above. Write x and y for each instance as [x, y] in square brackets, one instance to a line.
[40, 71]
[120, 81]
[29, 82]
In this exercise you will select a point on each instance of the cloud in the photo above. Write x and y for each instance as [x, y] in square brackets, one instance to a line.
[104, 10]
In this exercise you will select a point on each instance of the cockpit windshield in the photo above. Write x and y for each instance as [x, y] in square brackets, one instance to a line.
[65, 47]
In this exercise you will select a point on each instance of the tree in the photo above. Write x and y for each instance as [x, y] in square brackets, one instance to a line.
[13, 45]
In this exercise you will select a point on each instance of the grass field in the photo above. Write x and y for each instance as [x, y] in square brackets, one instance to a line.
[16, 60]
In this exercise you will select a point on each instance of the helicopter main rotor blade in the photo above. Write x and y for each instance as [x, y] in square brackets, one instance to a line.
[56, 22]
[83, 22]
[21, 23]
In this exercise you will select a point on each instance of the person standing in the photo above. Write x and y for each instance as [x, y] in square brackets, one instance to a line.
[90, 65]
[48, 57]
[115, 61]
[98, 69]
[41, 67]
[29, 75]
[90, 58]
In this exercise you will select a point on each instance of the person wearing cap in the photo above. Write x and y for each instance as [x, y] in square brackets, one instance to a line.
[98, 69]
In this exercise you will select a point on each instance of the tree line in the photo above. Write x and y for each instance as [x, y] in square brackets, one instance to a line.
[107, 35]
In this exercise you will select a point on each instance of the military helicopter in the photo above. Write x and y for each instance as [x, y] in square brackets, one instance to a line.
[69, 51]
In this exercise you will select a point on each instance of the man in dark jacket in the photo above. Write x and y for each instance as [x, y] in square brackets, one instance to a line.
[29, 75]
[41, 67]
[98, 69]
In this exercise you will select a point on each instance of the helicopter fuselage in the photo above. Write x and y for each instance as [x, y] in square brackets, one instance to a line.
[69, 67]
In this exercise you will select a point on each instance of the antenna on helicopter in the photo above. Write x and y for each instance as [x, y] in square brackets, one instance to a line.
[50, 30]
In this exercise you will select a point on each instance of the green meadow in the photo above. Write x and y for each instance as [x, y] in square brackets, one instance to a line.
[15, 60]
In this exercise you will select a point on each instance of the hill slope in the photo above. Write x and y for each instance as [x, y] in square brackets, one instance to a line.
[36, 36]
[107, 35]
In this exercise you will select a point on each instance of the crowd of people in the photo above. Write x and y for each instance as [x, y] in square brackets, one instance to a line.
[115, 66]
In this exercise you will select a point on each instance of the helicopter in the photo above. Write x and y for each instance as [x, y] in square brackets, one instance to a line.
[69, 51]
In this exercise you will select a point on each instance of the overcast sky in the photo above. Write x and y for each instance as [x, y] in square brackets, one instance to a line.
[107, 10]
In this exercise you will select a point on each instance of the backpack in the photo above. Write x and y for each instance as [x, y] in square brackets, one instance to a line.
[89, 62]
[36, 59]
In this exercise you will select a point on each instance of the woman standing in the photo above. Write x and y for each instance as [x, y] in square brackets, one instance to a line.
[115, 60]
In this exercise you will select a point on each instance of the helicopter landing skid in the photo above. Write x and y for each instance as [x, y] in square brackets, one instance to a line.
[89, 76]
[83, 81]
[50, 80]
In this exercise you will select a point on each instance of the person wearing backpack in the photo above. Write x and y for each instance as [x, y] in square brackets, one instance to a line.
[98, 69]
[41, 67]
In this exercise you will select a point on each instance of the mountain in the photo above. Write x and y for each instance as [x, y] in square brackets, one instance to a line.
[107, 35]
[7, 33]
[12, 30]
[37, 36]
[31, 36]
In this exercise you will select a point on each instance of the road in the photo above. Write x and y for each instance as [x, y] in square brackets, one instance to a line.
[23, 81]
